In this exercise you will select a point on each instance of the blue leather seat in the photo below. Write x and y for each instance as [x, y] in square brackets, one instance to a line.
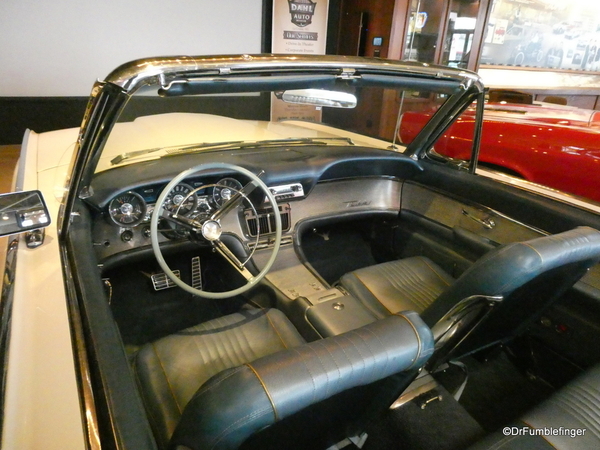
[215, 385]
[513, 284]
[569, 419]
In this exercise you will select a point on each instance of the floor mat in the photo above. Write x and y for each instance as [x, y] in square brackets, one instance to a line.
[441, 425]
[496, 392]
[336, 250]
[144, 315]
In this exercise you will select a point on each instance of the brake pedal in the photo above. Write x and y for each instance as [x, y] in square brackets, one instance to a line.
[161, 281]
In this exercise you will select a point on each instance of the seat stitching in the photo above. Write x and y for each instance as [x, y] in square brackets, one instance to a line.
[302, 359]
[418, 336]
[348, 359]
[204, 390]
[237, 424]
[334, 362]
[373, 353]
[540, 435]
[571, 403]
[411, 287]
[166, 378]
[587, 398]
[374, 296]
[434, 271]
[582, 419]
[275, 329]
[264, 386]
[356, 347]
[534, 249]
[325, 371]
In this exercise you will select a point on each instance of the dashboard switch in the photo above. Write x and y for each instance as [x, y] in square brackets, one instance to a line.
[127, 235]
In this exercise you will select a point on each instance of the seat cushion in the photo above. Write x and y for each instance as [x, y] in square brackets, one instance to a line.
[170, 370]
[569, 419]
[406, 284]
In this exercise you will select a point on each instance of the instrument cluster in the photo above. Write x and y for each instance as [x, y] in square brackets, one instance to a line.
[189, 199]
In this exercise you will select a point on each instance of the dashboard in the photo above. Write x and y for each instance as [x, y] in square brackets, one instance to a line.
[190, 199]
[125, 221]
[307, 183]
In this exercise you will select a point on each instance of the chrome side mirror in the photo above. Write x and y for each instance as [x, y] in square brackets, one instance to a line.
[22, 211]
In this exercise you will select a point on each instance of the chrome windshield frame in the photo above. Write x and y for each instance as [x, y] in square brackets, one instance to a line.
[109, 97]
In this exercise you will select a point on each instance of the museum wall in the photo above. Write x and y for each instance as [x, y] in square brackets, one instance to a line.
[545, 48]
[52, 52]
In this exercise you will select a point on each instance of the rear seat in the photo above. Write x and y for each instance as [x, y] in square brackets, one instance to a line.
[569, 419]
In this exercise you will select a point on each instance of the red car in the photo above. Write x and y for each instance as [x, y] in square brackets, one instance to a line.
[557, 146]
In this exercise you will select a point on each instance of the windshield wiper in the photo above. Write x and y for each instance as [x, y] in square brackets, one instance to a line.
[175, 150]
[265, 143]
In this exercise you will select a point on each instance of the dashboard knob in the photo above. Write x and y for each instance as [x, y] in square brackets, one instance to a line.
[127, 235]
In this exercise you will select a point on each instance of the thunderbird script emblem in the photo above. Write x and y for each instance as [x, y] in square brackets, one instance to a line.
[302, 12]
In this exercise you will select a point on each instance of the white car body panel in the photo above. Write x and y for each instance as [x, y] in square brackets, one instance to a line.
[173, 129]
[41, 411]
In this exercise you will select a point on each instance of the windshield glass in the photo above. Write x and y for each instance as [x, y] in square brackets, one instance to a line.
[157, 122]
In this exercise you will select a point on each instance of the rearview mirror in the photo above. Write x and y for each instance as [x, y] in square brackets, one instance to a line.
[319, 97]
[22, 211]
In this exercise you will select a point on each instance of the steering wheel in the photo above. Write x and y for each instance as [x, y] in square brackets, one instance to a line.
[209, 227]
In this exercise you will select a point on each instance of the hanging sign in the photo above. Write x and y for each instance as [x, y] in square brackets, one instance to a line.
[299, 27]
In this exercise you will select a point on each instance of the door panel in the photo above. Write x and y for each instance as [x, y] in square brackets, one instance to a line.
[432, 223]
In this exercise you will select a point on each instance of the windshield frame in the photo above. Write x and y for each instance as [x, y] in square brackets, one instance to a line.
[181, 75]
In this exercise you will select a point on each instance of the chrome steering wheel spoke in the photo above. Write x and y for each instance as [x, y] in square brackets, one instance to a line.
[232, 259]
[236, 199]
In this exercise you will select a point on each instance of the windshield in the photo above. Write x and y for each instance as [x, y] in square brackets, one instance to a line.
[157, 123]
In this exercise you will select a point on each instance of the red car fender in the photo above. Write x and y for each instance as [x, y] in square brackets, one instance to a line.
[546, 152]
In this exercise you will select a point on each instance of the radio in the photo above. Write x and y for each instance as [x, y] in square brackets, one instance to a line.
[287, 191]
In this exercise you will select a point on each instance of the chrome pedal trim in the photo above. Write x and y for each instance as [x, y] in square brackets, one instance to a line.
[196, 273]
[161, 281]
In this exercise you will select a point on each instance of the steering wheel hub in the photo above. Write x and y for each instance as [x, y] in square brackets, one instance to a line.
[211, 230]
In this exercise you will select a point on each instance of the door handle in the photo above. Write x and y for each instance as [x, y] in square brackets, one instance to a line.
[488, 222]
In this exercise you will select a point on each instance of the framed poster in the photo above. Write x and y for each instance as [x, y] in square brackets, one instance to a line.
[299, 27]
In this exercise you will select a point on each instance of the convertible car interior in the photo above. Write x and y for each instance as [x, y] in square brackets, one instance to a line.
[253, 261]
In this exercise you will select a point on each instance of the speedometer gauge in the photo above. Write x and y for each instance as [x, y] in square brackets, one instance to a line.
[181, 200]
[127, 210]
[225, 189]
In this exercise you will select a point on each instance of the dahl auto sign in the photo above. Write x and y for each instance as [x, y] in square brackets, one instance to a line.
[302, 12]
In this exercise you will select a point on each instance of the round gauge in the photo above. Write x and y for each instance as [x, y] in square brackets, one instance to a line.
[225, 189]
[181, 200]
[127, 209]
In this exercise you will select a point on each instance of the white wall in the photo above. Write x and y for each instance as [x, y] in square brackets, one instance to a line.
[513, 78]
[60, 47]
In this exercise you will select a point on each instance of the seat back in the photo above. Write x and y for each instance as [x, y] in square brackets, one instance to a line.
[235, 404]
[528, 275]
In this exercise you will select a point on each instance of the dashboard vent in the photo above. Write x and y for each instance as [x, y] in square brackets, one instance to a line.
[268, 243]
[266, 220]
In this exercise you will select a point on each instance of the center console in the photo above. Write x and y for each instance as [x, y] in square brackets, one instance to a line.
[313, 306]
